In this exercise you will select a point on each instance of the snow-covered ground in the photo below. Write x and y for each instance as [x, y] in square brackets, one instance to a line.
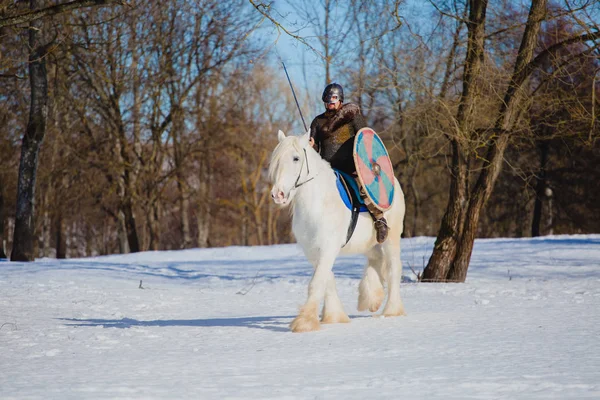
[213, 324]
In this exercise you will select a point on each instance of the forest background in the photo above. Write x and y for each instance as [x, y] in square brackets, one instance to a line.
[161, 116]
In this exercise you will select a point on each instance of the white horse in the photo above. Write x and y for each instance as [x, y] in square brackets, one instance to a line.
[303, 180]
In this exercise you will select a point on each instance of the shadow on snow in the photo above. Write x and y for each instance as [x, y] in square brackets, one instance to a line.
[272, 323]
[278, 323]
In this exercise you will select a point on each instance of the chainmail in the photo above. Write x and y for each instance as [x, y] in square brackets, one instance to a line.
[334, 131]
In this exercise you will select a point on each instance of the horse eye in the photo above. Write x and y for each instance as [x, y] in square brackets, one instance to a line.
[296, 158]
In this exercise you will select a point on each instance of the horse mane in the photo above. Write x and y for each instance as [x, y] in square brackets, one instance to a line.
[277, 154]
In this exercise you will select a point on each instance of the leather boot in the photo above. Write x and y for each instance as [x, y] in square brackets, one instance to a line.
[381, 228]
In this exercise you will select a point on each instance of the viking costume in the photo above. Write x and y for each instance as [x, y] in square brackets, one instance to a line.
[333, 133]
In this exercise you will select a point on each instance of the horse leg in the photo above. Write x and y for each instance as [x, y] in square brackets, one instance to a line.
[333, 310]
[308, 317]
[393, 306]
[370, 289]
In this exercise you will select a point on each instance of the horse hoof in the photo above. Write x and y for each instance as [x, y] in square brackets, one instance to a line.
[303, 324]
[376, 306]
[339, 318]
[393, 313]
[370, 307]
[370, 302]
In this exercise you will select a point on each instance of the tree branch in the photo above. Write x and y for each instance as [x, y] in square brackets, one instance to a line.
[550, 51]
[54, 10]
[264, 10]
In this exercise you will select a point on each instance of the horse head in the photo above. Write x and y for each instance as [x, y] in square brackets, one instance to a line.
[288, 168]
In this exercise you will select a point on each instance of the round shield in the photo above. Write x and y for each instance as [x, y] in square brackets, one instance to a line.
[374, 168]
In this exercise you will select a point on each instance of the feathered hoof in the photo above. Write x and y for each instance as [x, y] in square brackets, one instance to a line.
[307, 320]
[337, 318]
[372, 302]
[305, 324]
[393, 312]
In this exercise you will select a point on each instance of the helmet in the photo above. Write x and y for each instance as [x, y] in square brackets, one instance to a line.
[333, 89]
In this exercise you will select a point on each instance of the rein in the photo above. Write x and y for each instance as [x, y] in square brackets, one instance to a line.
[297, 185]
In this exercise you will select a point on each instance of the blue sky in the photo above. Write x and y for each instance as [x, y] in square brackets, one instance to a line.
[305, 67]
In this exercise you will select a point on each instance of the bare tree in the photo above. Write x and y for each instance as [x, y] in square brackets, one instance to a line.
[454, 244]
[104, 69]
[32, 139]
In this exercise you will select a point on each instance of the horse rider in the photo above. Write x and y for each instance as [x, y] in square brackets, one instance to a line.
[332, 135]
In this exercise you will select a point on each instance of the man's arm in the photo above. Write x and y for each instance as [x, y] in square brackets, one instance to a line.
[346, 115]
[359, 121]
[314, 139]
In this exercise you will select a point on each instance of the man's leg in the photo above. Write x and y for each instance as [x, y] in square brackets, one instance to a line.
[380, 223]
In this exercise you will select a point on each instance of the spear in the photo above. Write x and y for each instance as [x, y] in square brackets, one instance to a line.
[294, 93]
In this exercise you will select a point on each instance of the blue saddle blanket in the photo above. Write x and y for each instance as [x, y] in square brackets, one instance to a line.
[349, 191]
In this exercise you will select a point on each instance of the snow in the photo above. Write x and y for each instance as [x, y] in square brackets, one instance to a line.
[213, 324]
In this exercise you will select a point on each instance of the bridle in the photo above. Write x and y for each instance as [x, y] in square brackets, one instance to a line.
[297, 185]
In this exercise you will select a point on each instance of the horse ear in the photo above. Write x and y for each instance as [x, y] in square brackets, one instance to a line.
[280, 135]
[305, 138]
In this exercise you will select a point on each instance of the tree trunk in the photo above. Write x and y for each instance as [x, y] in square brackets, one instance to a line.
[184, 205]
[540, 191]
[179, 148]
[412, 184]
[506, 118]
[203, 217]
[122, 233]
[445, 245]
[271, 226]
[2, 240]
[36, 128]
[130, 226]
[153, 219]
[450, 60]
[133, 160]
[59, 229]
[244, 231]
[450, 231]
[46, 233]
[548, 228]
[126, 189]
[481, 193]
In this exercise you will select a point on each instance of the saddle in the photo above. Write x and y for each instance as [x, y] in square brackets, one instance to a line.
[350, 194]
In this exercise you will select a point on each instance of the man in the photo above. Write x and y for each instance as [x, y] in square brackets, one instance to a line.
[332, 135]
